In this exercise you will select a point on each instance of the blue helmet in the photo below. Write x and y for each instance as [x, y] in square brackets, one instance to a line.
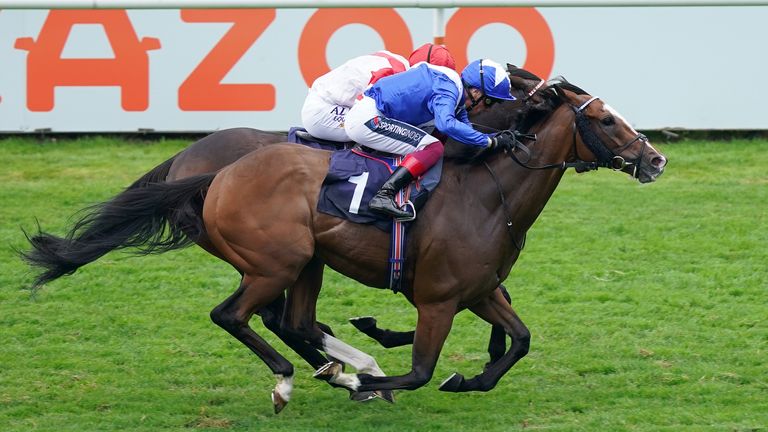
[495, 82]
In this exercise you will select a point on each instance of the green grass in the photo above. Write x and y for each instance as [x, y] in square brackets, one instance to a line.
[647, 305]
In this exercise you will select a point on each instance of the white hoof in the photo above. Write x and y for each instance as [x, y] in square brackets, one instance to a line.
[327, 371]
[278, 402]
[281, 394]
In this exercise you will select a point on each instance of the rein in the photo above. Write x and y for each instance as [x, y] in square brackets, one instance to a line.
[605, 157]
[505, 205]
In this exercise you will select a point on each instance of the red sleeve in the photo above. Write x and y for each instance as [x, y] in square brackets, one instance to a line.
[379, 74]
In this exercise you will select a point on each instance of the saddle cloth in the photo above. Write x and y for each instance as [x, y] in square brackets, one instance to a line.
[353, 179]
[354, 176]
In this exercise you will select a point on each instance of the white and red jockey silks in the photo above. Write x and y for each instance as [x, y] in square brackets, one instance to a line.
[344, 84]
[332, 94]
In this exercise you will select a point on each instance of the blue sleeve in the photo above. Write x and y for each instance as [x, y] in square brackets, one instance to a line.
[443, 104]
[463, 116]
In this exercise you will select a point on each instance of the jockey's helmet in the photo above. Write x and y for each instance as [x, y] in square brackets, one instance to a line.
[437, 55]
[488, 76]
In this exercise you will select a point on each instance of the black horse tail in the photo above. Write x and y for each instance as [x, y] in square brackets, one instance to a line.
[153, 218]
[158, 174]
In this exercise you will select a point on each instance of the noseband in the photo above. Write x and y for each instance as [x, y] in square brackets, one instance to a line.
[606, 158]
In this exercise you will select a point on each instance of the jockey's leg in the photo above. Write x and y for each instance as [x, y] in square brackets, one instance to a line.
[366, 125]
[323, 119]
[413, 166]
[384, 200]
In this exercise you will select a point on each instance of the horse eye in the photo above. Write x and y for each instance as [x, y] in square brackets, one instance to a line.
[608, 121]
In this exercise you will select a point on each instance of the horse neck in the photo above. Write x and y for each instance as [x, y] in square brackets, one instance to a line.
[528, 191]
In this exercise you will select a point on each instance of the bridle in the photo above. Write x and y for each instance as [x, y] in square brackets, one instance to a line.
[606, 158]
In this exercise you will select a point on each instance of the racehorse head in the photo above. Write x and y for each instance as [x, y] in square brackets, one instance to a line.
[600, 136]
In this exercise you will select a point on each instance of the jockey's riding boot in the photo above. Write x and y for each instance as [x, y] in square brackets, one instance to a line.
[384, 200]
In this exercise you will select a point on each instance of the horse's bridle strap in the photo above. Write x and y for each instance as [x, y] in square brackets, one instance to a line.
[586, 104]
[535, 89]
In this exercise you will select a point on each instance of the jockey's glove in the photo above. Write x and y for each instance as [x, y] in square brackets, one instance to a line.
[503, 141]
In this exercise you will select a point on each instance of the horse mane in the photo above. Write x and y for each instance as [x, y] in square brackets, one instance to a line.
[521, 73]
[552, 100]
[561, 82]
[526, 117]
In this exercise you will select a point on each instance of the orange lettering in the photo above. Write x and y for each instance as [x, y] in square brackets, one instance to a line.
[46, 69]
[202, 90]
[323, 23]
[528, 21]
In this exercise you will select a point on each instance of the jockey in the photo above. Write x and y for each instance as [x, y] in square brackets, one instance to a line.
[386, 117]
[332, 94]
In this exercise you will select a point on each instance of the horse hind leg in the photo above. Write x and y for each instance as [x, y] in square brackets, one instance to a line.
[299, 325]
[496, 310]
[233, 316]
[434, 323]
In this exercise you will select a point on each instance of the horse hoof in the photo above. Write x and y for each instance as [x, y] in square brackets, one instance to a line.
[364, 396]
[453, 383]
[278, 402]
[363, 323]
[387, 395]
[327, 371]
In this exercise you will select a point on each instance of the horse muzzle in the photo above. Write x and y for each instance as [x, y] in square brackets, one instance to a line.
[650, 167]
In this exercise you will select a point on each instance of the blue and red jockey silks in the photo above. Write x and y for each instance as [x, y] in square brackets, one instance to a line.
[396, 129]
[425, 93]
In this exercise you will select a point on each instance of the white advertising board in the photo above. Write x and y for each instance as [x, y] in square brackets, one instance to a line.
[198, 70]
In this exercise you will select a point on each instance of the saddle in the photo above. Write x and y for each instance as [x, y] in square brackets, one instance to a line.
[355, 174]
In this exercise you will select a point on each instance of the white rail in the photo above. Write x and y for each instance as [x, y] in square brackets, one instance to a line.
[283, 4]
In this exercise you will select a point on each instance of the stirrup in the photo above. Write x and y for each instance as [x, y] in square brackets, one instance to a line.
[413, 210]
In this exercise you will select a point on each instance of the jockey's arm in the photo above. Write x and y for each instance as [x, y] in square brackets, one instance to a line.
[444, 108]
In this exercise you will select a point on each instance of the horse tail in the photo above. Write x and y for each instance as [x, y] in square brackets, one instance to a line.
[158, 174]
[154, 218]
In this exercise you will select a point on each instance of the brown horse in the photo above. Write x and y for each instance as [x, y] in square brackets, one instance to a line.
[222, 148]
[278, 240]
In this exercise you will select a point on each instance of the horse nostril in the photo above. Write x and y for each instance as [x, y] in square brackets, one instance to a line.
[659, 162]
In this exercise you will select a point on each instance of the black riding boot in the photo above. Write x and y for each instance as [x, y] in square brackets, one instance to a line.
[384, 200]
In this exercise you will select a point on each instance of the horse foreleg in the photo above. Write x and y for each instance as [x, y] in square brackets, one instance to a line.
[434, 323]
[391, 338]
[497, 342]
[496, 310]
[387, 338]
[233, 316]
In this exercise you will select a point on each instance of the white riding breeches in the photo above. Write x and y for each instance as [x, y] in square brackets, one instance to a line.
[322, 119]
[367, 126]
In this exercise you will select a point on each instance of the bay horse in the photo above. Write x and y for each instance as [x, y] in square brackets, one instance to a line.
[224, 147]
[279, 242]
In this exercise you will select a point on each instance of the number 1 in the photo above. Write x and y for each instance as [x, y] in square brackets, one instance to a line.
[359, 181]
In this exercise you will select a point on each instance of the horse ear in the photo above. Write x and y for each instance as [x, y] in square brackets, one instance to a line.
[511, 67]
